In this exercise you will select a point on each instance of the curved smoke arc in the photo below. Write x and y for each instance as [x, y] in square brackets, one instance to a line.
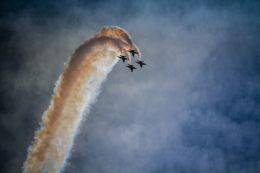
[75, 90]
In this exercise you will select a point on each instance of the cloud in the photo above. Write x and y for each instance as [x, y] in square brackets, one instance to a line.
[192, 109]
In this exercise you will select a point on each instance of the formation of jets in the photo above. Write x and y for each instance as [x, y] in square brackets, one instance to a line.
[130, 66]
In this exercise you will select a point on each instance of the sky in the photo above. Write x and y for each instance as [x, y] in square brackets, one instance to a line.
[193, 108]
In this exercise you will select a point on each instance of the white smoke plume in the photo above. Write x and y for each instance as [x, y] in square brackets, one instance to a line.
[76, 89]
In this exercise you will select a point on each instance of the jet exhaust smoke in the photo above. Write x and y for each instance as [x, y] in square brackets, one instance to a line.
[77, 87]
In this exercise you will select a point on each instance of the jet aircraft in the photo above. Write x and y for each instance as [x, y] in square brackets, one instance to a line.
[122, 57]
[141, 63]
[133, 52]
[131, 67]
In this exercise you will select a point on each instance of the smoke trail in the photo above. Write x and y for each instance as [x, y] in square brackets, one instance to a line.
[76, 89]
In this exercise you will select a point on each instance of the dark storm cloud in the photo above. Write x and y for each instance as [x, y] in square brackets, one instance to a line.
[194, 108]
